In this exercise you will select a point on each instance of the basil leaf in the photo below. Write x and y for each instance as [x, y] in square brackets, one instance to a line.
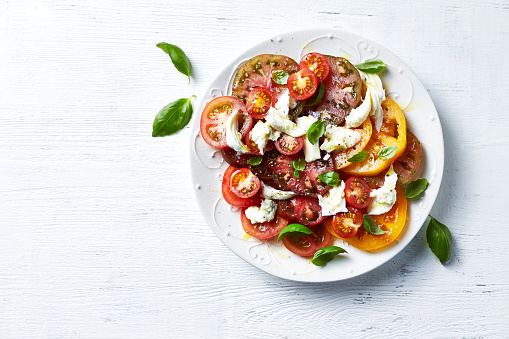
[315, 131]
[416, 188]
[178, 58]
[326, 254]
[296, 173]
[330, 178]
[371, 66]
[371, 227]
[387, 152]
[173, 117]
[294, 230]
[321, 92]
[255, 161]
[280, 77]
[361, 156]
[298, 165]
[439, 240]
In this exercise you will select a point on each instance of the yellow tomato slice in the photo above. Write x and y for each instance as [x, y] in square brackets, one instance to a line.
[341, 157]
[393, 222]
[392, 133]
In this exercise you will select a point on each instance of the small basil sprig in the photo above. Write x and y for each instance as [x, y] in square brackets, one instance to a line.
[326, 254]
[439, 240]
[315, 131]
[255, 161]
[280, 77]
[416, 188]
[387, 152]
[330, 178]
[321, 92]
[298, 165]
[178, 58]
[361, 156]
[173, 117]
[294, 230]
[371, 66]
[371, 227]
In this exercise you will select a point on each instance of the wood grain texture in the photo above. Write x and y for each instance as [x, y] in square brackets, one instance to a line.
[99, 233]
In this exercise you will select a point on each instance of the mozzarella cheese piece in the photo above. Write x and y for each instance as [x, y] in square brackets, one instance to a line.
[333, 201]
[377, 94]
[266, 212]
[357, 116]
[277, 117]
[262, 133]
[337, 137]
[275, 194]
[384, 197]
[233, 137]
[311, 152]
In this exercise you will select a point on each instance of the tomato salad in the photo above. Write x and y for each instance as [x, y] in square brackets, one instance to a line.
[314, 143]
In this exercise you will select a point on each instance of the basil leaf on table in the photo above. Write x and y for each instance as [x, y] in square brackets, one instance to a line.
[315, 131]
[173, 117]
[371, 66]
[361, 156]
[416, 188]
[294, 230]
[439, 240]
[178, 58]
[321, 92]
[255, 161]
[326, 254]
[387, 152]
[330, 178]
[371, 227]
[280, 77]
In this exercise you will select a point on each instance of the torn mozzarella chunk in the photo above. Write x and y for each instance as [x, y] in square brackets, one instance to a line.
[277, 117]
[333, 201]
[311, 152]
[358, 115]
[376, 94]
[337, 137]
[266, 212]
[275, 194]
[262, 133]
[233, 137]
[384, 198]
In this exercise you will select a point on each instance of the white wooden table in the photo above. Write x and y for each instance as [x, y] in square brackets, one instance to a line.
[100, 236]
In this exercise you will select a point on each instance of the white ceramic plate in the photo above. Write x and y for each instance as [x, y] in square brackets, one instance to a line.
[400, 83]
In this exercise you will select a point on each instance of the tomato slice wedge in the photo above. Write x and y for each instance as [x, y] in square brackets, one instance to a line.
[357, 192]
[308, 245]
[316, 63]
[231, 198]
[408, 163]
[302, 84]
[289, 145]
[308, 211]
[244, 184]
[264, 230]
[214, 116]
[259, 102]
[346, 224]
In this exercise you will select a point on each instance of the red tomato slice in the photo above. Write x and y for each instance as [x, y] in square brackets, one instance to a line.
[214, 116]
[357, 193]
[233, 199]
[307, 246]
[253, 146]
[289, 145]
[282, 173]
[308, 211]
[408, 163]
[244, 184]
[317, 63]
[302, 84]
[287, 209]
[235, 158]
[263, 230]
[346, 224]
[309, 180]
[259, 102]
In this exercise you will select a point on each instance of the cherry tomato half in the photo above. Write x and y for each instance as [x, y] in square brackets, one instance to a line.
[232, 198]
[264, 230]
[307, 246]
[302, 84]
[357, 192]
[317, 63]
[244, 184]
[259, 102]
[346, 224]
[288, 145]
[214, 116]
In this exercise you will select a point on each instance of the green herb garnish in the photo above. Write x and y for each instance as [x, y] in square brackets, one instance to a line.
[361, 156]
[178, 58]
[371, 66]
[294, 230]
[315, 131]
[371, 227]
[330, 178]
[326, 254]
[387, 152]
[416, 188]
[173, 117]
[439, 240]
[280, 77]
